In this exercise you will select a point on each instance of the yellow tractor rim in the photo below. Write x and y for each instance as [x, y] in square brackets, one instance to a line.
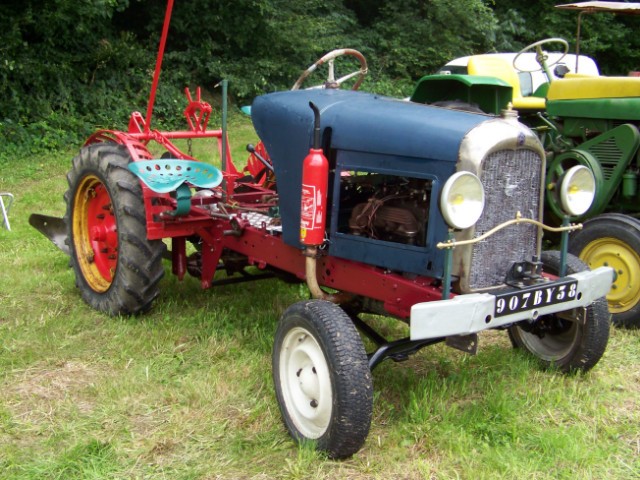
[611, 252]
[95, 234]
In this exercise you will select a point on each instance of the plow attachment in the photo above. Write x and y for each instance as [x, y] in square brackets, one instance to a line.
[53, 228]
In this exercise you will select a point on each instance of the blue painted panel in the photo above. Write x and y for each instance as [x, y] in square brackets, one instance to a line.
[417, 139]
[425, 259]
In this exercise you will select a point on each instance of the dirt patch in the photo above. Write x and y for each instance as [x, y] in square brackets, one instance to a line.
[40, 391]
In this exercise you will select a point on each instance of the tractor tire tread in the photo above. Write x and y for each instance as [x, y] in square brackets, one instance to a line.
[625, 229]
[135, 284]
[352, 380]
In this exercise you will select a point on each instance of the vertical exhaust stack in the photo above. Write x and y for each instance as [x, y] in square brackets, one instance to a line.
[313, 207]
[315, 178]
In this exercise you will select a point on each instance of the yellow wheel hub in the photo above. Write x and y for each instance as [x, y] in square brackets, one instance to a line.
[611, 252]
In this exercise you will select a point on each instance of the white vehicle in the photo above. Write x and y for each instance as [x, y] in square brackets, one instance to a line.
[531, 75]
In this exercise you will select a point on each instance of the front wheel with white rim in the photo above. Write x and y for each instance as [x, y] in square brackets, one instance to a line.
[322, 378]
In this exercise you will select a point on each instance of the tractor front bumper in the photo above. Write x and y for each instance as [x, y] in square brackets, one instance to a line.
[474, 312]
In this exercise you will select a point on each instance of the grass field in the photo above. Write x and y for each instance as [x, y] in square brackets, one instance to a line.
[185, 391]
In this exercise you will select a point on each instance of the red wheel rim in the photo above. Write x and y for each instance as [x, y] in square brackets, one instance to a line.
[95, 233]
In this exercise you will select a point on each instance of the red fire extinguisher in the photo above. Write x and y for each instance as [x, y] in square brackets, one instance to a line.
[315, 179]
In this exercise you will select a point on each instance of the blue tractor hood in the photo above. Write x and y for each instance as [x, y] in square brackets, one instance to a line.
[427, 137]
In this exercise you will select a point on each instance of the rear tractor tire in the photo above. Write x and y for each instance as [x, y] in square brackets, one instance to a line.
[322, 378]
[117, 269]
[613, 240]
[569, 345]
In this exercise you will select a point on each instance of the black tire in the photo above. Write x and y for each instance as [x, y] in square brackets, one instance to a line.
[117, 269]
[613, 239]
[322, 379]
[561, 343]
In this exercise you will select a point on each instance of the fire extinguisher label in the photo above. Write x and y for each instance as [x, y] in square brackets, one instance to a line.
[318, 210]
[310, 203]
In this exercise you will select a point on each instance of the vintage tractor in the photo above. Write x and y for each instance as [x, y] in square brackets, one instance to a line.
[386, 207]
[582, 118]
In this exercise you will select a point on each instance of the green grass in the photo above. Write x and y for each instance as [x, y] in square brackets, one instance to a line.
[185, 392]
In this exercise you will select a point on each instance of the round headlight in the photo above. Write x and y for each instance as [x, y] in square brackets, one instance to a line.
[577, 190]
[462, 200]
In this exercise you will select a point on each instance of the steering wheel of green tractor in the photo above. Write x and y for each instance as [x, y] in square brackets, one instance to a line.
[332, 82]
[541, 55]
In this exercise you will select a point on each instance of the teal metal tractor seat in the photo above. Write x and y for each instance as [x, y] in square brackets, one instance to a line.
[175, 177]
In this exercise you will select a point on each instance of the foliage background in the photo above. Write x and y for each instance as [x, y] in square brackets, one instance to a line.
[68, 66]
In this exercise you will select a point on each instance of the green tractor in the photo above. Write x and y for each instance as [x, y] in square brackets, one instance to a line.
[581, 118]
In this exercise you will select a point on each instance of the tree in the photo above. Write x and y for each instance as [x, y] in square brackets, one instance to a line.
[413, 38]
[90, 62]
[606, 37]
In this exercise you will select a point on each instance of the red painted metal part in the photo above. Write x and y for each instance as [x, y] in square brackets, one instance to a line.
[103, 234]
[197, 112]
[255, 167]
[156, 74]
[218, 232]
[261, 248]
[156, 205]
[315, 180]
[179, 256]
[213, 244]
[397, 293]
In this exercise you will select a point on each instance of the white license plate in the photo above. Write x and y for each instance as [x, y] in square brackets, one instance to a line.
[531, 298]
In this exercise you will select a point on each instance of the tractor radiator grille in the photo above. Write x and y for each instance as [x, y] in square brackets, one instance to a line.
[512, 181]
[609, 156]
